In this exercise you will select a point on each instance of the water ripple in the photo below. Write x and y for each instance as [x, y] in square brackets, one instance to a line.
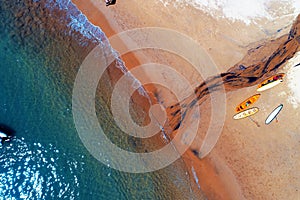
[33, 171]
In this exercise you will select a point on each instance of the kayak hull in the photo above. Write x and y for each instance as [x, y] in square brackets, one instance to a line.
[3, 135]
[270, 82]
[247, 102]
[246, 113]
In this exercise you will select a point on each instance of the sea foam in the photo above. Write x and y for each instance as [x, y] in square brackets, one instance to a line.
[247, 11]
[292, 78]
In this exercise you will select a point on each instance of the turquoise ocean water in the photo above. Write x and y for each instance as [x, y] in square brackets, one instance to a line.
[46, 159]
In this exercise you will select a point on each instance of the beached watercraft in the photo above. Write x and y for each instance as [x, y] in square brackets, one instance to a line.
[246, 113]
[246, 103]
[270, 82]
[273, 114]
[5, 133]
[3, 136]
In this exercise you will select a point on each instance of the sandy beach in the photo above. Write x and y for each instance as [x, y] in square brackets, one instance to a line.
[248, 162]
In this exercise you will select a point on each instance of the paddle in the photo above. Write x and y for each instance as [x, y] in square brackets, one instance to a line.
[257, 124]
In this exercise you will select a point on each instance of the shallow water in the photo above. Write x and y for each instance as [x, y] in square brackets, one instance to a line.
[46, 158]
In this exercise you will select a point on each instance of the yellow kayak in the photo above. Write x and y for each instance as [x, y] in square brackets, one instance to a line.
[270, 82]
[246, 113]
[246, 103]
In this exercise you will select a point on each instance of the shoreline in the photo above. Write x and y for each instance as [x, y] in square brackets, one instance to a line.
[225, 173]
[248, 162]
[209, 180]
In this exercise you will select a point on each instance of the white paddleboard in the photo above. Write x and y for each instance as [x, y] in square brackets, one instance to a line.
[273, 114]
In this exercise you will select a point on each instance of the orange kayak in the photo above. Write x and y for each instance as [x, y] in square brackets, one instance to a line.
[246, 103]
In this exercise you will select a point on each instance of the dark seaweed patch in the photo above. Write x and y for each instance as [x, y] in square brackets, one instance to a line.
[176, 112]
[195, 152]
[252, 79]
[177, 126]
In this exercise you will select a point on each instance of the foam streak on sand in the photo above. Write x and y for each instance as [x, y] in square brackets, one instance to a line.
[247, 11]
[196, 177]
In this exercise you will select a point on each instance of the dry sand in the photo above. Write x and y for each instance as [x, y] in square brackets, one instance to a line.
[247, 162]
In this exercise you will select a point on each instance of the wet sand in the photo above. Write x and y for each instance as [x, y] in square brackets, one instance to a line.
[228, 171]
[209, 180]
